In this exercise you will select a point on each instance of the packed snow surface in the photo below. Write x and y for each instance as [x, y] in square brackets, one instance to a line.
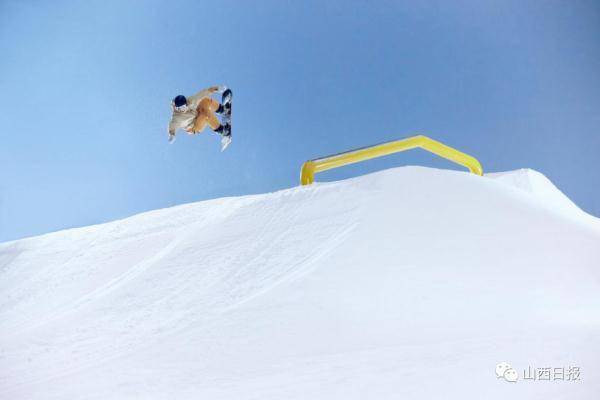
[409, 283]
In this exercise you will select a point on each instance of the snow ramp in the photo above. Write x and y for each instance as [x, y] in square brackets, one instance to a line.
[407, 283]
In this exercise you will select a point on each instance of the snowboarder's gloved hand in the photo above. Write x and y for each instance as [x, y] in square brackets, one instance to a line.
[171, 137]
[221, 88]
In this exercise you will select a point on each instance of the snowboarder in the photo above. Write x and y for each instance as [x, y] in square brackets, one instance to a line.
[193, 113]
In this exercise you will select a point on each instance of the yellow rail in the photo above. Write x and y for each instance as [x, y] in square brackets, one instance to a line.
[311, 167]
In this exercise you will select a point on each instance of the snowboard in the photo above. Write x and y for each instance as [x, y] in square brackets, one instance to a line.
[226, 102]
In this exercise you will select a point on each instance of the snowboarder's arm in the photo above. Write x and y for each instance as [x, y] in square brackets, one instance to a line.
[210, 90]
[195, 99]
[172, 127]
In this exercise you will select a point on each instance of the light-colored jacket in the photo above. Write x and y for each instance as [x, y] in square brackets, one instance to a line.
[185, 120]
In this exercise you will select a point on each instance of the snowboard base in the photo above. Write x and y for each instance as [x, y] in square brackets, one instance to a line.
[226, 101]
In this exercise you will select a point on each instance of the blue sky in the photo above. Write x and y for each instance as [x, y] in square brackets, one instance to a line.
[85, 88]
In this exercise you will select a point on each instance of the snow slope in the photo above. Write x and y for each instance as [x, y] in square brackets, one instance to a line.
[407, 283]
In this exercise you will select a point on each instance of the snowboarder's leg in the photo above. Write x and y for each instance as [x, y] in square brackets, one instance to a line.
[199, 123]
[208, 107]
[213, 121]
[206, 115]
[209, 104]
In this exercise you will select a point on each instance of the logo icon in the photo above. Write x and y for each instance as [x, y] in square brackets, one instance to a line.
[504, 370]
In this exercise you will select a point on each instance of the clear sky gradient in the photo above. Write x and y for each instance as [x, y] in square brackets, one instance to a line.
[85, 88]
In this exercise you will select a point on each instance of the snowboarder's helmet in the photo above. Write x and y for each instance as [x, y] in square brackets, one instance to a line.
[180, 103]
